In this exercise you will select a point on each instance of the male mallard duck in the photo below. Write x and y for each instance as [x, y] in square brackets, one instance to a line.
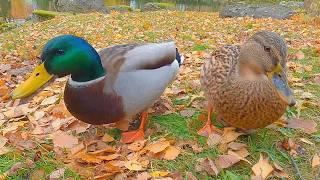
[108, 86]
[247, 85]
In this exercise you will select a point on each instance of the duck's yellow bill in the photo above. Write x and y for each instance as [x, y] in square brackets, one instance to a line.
[38, 78]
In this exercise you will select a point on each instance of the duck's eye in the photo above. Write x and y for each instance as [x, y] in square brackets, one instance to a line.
[60, 52]
[267, 48]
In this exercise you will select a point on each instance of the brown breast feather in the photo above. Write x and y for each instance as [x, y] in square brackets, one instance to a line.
[91, 105]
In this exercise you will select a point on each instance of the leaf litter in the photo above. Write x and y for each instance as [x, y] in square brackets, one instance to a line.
[45, 116]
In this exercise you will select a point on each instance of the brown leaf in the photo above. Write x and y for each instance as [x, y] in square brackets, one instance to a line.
[229, 135]
[133, 165]
[3, 141]
[109, 157]
[137, 145]
[87, 158]
[299, 55]
[279, 172]
[18, 111]
[77, 148]
[236, 146]
[107, 138]
[262, 168]
[143, 176]
[50, 100]
[308, 126]
[315, 161]
[156, 174]
[112, 168]
[187, 112]
[57, 174]
[213, 139]
[208, 166]
[64, 140]
[239, 155]
[158, 146]
[225, 161]
[190, 176]
[171, 153]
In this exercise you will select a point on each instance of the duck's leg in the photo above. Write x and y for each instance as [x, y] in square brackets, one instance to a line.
[208, 128]
[128, 137]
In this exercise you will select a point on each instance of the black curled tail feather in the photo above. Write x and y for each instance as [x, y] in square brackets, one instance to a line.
[178, 57]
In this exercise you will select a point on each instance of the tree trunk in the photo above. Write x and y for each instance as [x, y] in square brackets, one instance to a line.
[312, 7]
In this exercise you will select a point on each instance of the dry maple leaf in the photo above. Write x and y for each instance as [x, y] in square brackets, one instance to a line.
[225, 161]
[236, 146]
[158, 146]
[229, 135]
[156, 174]
[143, 176]
[133, 165]
[187, 112]
[57, 174]
[262, 168]
[315, 161]
[208, 166]
[107, 138]
[137, 145]
[109, 157]
[308, 126]
[171, 153]
[213, 139]
[64, 140]
[87, 158]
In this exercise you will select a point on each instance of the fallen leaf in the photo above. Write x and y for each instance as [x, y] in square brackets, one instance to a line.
[143, 176]
[187, 112]
[190, 176]
[49, 100]
[171, 153]
[137, 145]
[74, 150]
[87, 158]
[262, 168]
[64, 140]
[306, 141]
[279, 172]
[315, 161]
[109, 157]
[57, 174]
[3, 141]
[158, 146]
[299, 55]
[156, 174]
[112, 168]
[229, 135]
[225, 161]
[306, 95]
[107, 138]
[133, 165]
[240, 156]
[18, 111]
[15, 168]
[213, 139]
[208, 166]
[236, 146]
[308, 126]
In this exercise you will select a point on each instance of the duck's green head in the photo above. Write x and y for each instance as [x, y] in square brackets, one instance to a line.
[61, 56]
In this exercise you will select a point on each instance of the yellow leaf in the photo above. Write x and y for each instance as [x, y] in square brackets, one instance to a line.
[159, 173]
[262, 168]
[107, 138]
[171, 153]
[315, 161]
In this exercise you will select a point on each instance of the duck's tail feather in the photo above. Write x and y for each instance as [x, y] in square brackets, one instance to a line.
[179, 57]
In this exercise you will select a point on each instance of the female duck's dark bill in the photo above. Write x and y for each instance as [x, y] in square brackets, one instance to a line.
[281, 85]
[37, 79]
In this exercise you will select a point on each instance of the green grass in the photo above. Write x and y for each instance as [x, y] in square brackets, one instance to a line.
[46, 164]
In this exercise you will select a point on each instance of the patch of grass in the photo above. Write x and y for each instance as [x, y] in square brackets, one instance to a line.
[174, 124]
[200, 47]
[46, 164]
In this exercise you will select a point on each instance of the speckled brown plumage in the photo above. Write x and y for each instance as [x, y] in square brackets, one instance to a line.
[236, 86]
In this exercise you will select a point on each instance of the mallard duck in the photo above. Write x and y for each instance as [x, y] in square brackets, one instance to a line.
[247, 85]
[108, 86]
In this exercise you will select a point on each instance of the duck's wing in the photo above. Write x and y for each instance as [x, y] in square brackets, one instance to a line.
[129, 57]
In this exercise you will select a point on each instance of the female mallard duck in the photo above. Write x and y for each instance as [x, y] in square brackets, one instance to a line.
[247, 85]
[108, 86]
